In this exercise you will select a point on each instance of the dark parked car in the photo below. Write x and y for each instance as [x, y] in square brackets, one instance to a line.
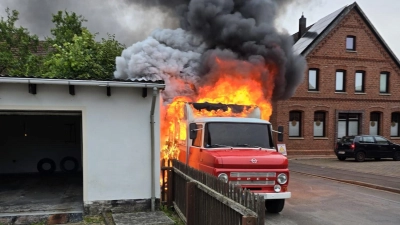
[361, 147]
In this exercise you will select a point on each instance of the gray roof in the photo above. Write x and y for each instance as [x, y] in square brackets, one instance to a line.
[322, 27]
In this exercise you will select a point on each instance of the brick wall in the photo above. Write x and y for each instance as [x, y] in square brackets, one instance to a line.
[331, 55]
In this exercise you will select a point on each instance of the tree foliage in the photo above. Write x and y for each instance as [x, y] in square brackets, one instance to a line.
[73, 51]
[67, 25]
[17, 48]
[84, 58]
[77, 55]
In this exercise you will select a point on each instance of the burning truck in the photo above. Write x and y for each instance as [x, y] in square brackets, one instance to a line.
[231, 54]
[233, 143]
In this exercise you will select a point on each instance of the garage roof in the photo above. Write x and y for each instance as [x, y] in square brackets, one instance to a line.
[140, 82]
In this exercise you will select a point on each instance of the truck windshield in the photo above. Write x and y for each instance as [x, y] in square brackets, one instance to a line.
[223, 134]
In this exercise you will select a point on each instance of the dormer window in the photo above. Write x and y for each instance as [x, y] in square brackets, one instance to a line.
[351, 43]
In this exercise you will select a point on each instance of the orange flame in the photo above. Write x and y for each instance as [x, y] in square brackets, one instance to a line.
[230, 82]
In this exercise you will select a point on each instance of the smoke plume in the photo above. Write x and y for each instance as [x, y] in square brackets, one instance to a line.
[209, 29]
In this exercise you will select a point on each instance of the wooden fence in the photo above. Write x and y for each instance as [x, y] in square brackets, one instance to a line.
[201, 199]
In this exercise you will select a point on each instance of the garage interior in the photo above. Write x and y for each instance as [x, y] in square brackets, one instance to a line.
[40, 163]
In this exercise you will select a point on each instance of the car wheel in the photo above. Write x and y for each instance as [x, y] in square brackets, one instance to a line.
[341, 158]
[360, 156]
[274, 205]
[377, 159]
[396, 156]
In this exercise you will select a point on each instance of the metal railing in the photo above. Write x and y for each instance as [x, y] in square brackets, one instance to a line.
[201, 199]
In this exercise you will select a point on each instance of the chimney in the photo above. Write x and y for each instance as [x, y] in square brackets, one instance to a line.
[302, 26]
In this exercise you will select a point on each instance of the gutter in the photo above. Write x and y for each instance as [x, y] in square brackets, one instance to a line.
[153, 103]
[80, 82]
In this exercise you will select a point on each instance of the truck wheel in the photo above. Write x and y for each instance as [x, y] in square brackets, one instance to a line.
[396, 156]
[274, 205]
[341, 158]
[360, 156]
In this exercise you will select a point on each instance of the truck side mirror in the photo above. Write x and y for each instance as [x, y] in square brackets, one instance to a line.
[280, 134]
[192, 131]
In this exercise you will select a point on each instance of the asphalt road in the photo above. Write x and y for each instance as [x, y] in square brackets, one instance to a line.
[319, 201]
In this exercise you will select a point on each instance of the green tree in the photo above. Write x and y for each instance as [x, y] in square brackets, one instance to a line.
[17, 48]
[76, 54]
[67, 25]
[83, 58]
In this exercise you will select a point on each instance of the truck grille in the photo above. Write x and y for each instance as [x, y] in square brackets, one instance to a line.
[253, 182]
[253, 174]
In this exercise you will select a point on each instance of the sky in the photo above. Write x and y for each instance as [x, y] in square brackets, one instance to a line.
[131, 23]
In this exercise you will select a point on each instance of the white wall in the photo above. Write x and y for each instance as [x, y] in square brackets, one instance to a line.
[116, 135]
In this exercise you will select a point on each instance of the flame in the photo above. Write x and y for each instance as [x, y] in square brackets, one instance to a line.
[230, 82]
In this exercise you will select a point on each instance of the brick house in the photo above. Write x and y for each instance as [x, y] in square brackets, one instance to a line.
[351, 85]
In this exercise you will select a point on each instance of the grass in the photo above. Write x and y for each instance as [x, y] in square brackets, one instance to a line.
[171, 214]
[88, 220]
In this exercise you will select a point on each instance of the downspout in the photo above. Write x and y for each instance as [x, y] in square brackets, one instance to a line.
[153, 103]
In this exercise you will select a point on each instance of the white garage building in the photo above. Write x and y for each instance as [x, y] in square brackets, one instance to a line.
[100, 129]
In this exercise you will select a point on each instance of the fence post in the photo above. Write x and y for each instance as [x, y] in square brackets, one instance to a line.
[248, 220]
[170, 185]
[190, 200]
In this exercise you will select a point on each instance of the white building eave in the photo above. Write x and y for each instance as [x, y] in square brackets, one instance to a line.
[20, 80]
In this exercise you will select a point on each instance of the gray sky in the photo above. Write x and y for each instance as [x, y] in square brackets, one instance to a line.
[132, 23]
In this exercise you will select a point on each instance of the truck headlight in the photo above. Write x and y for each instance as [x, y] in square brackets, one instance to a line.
[282, 178]
[223, 177]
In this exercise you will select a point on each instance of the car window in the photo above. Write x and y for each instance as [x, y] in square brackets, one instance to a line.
[381, 140]
[367, 139]
[347, 139]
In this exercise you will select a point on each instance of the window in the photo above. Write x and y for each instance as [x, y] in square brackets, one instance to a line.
[384, 82]
[313, 75]
[319, 124]
[381, 141]
[359, 81]
[295, 124]
[367, 139]
[348, 124]
[394, 125]
[340, 80]
[374, 123]
[220, 134]
[197, 140]
[351, 43]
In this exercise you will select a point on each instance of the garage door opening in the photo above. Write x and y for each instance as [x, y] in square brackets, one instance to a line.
[40, 162]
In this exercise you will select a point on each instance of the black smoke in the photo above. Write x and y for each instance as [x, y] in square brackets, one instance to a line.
[229, 29]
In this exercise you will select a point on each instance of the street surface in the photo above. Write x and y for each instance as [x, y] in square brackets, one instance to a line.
[318, 201]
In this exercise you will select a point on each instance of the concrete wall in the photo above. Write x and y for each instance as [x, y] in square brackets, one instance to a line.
[115, 135]
[331, 55]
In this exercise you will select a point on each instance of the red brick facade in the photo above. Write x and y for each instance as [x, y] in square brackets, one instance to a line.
[328, 56]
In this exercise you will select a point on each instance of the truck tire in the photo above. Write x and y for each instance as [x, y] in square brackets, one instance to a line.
[341, 158]
[360, 156]
[274, 205]
[71, 159]
[43, 170]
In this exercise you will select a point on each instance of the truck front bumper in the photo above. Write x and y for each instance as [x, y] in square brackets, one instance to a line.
[280, 195]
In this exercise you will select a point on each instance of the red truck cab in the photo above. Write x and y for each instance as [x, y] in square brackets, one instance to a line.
[240, 151]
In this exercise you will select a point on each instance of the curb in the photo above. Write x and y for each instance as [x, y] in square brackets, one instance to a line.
[359, 183]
